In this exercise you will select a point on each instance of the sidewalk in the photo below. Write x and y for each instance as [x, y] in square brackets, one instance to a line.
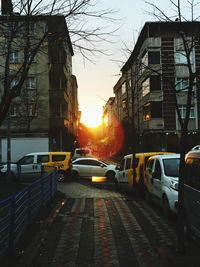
[104, 230]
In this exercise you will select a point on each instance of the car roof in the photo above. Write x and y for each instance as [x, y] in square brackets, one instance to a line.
[45, 153]
[193, 154]
[84, 158]
[166, 156]
[149, 154]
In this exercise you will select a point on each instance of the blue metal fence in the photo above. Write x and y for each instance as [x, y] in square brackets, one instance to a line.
[16, 212]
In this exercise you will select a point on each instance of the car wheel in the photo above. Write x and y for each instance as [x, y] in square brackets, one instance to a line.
[116, 185]
[165, 208]
[110, 175]
[61, 176]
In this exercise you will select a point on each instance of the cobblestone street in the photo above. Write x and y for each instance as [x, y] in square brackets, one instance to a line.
[98, 226]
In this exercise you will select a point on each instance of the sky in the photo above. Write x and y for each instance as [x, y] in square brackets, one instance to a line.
[96, 81]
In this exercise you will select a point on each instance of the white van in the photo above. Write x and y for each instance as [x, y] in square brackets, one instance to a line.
[192, 194]
[82, 152]
[161, 181]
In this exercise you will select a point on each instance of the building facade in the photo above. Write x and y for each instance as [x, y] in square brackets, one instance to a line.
[155, 83]
[47, 105]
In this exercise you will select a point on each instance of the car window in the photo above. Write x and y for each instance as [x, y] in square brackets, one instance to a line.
[82, 162]
[26, 160]
[145, 161]
[122, 164]
[58, 157]
[95, 163]
[157, 170]
[150, 165]
[193, 173]
[128, 163]
[43, 158]
[171, 167]
[136, 161]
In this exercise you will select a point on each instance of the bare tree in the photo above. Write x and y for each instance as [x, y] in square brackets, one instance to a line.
[16, 33]
[186, 48]
[27, 109]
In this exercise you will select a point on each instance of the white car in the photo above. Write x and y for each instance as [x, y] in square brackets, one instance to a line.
[161, 181]
[88, 167]
[26, 168]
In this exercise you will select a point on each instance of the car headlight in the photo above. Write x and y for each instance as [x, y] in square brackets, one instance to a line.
[174, 185]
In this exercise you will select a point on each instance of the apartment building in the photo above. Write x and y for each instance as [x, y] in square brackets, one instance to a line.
[48, 105]
[155, 76]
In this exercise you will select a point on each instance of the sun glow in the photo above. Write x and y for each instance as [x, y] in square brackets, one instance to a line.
[91, 117]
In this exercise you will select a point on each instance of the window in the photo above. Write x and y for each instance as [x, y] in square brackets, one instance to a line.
[123, 88]
[155, 83]
[156, 109]
[29, 57]
[128, 163]
[43, 158]
[26, 160]
[146, 87]
[14, 57]
[14, 82]
[124, 104]
[152, 110]
[30, 29]
[58, 157]
[182, 84]
[154, 57]
[136, 161]
[147, 112]
[157, 170]
[182, 110]
[150, 165]
[180, 57]
[13, 110]
[31, 83]
[171, 167]
[32, 110]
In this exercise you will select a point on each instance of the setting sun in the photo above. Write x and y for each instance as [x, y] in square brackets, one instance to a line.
[91, 117]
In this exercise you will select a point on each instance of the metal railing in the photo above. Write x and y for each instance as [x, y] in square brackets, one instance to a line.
[16, 212]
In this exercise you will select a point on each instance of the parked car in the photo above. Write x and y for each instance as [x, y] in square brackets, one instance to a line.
[197, 147]
[124, 172]
[30, 165]
[87, 167]
[82, 153]
[161, 181]
[192, 194]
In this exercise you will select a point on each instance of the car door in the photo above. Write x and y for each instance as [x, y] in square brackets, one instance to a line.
[83, 167]
[156, 180]
[27, 166]
[98, 168]
[124, 174]
[120, 171]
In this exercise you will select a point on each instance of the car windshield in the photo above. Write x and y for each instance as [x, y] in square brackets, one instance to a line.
[171, 167]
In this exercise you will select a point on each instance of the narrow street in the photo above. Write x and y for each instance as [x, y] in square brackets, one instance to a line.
[98, 226]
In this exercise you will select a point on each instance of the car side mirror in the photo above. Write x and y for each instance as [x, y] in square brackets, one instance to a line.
[118, 168]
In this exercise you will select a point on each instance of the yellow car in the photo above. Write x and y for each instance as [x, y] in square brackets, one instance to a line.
[60, 160]
[124, 175]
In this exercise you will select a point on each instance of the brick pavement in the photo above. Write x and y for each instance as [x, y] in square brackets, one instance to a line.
[100, 227]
